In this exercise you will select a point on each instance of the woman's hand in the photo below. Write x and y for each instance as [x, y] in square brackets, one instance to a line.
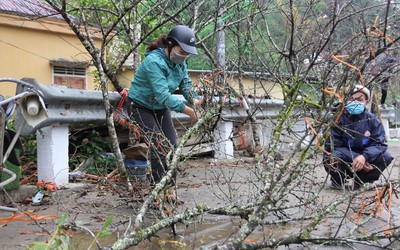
[194, 116]
[197, 102]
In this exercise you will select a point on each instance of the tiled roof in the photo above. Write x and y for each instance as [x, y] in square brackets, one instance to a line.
[27, 8]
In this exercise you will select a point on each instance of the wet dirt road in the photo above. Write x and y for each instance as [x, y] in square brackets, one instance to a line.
[202, 181]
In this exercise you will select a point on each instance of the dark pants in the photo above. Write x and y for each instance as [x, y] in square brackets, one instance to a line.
[338, 165]
[159, 133]
[384, 89]
[384, 95]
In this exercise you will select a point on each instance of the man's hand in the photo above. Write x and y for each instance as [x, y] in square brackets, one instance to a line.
[368, 167]
[359, 163]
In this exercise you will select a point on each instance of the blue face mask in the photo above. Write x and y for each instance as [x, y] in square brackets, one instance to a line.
[354, 107]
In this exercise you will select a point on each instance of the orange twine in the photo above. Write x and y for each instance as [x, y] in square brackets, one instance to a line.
[28, 216]
[379, 205]
[308, 119]
[350, 66]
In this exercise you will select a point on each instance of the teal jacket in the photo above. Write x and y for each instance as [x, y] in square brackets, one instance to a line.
[156, 79]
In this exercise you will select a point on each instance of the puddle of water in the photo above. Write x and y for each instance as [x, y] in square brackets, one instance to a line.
[213, 231]
[191, 236]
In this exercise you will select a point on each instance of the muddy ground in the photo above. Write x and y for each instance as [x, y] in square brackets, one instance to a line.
[88, 202]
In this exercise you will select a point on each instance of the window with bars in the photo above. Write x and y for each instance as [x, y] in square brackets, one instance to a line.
[72, 77]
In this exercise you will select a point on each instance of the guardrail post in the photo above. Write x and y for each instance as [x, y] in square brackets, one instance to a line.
[388, 115]
[385, 123]
[264, 130]
[52, 154]
[223, 144]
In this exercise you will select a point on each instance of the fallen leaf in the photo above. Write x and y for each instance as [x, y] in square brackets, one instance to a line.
[97, 218]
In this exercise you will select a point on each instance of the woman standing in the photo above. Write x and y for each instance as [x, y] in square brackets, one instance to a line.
[162, 72]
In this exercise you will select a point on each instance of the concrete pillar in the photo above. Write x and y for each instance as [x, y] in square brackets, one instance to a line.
[301, 129]
[385, 123]
[52, 150]
[264, 130]
[223, 144]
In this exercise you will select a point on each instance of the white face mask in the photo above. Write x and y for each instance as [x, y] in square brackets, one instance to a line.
[178, 58]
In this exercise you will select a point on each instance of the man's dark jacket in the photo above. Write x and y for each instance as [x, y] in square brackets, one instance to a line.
[358, 134]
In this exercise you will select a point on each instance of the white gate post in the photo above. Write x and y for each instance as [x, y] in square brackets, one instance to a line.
[52, 154]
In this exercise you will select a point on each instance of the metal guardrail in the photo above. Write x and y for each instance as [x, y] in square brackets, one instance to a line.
[390, 113]
[236, 111]
[76, 107]
[66, 106]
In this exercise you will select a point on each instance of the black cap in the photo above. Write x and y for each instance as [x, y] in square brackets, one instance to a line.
[184, 36]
